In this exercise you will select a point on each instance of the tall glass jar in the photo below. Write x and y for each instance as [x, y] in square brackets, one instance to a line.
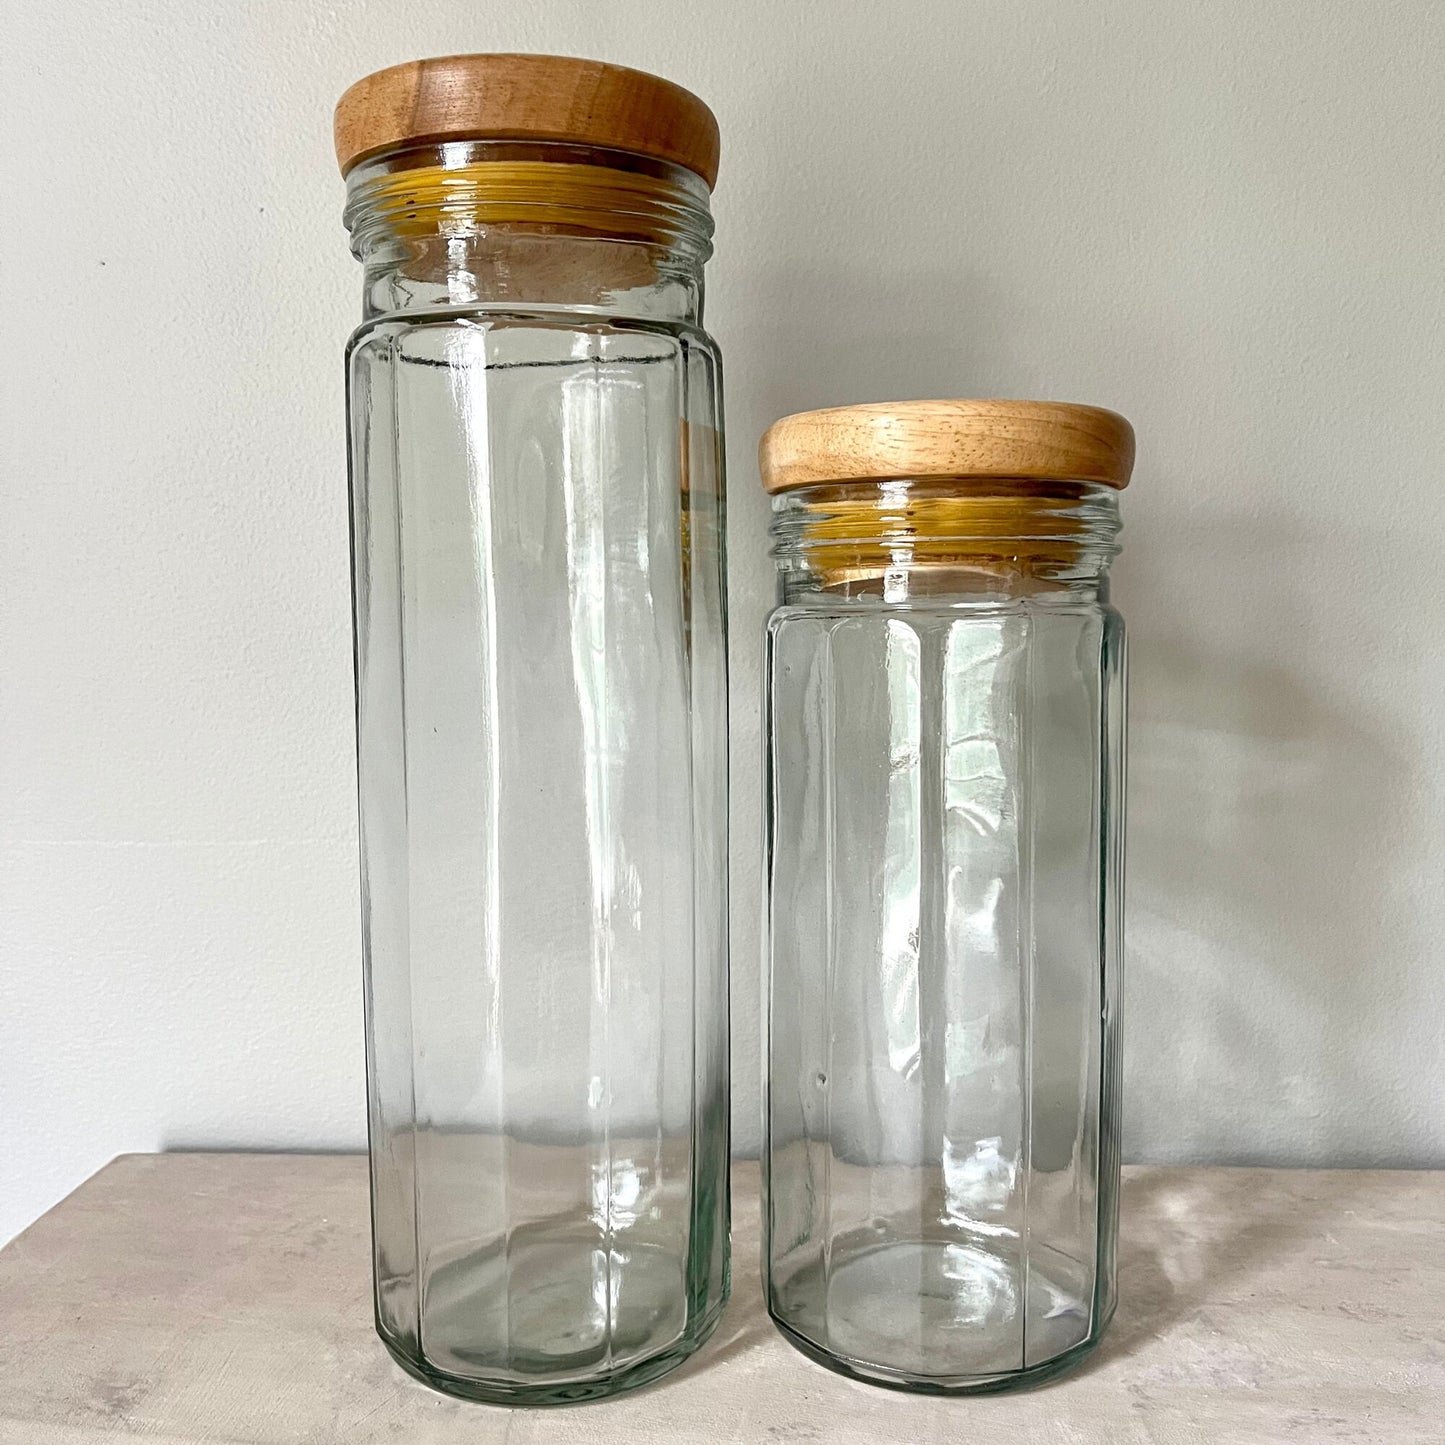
[945, 724]
[537, 490]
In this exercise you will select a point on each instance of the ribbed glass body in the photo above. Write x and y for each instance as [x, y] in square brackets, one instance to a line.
[945, 726]
[537, 489]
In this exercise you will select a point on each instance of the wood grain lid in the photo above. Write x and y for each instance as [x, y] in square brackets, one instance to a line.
[886, 440]
[526, 97]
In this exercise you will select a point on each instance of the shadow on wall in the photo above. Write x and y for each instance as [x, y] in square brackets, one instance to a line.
[1271, 792]
[1271, 781]
[1264, 838]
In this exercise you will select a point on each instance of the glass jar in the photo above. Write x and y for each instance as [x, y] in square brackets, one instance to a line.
[945, 725]
[537, 488]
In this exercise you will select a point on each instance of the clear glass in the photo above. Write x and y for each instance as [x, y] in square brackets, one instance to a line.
[537, 492]
[945, 724]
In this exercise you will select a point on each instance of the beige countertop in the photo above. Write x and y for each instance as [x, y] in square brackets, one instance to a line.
[187, 1298]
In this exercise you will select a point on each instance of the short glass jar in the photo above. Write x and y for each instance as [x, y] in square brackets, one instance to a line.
[945, 727]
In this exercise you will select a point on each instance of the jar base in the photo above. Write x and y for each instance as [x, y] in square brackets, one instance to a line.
[953, 1314]
[574, 1392]
[994, 1384]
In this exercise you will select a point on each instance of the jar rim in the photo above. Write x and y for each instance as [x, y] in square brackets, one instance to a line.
[830, 535]
[464, 187]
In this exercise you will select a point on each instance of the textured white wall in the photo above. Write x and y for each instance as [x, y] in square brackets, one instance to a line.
[1222, 219]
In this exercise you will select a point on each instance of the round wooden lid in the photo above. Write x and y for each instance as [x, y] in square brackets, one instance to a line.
[526, 97]
[886, 440]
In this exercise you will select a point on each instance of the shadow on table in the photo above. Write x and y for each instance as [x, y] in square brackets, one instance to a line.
[1189, 1240]
[1214, 1229]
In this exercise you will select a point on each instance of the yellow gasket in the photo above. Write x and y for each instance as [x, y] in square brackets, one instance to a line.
[443, 200]
[850, 537]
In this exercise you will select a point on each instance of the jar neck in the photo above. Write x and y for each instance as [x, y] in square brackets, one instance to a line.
[965, 541]
[526, 226]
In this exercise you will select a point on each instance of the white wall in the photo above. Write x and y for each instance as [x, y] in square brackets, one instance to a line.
[1224, 220]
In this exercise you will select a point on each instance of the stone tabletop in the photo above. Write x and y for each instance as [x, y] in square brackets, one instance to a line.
[187, 1298]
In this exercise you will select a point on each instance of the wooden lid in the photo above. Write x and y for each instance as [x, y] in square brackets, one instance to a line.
[526, 97]
[884, 440]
